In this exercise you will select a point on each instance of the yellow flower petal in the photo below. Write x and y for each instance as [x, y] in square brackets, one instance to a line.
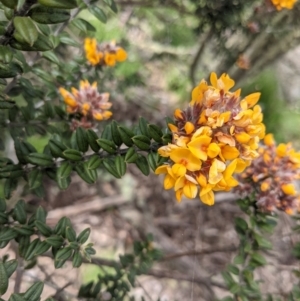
[201, 179]
[178, 170]
[178, 114]
[178, 194]
[229, 152]
[252, 99]
[189, 127]
[264, 186]
[242, 137]
[289, 189]
[281, 150]
[213, 150]
[121, 55]
[190, 190]
[161, 169]
[169, 182]
[208, 198]
[214, 80]
[199, 147]
[185, 157]
[269, 140]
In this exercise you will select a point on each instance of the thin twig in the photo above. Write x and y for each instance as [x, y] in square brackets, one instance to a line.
[19, 276]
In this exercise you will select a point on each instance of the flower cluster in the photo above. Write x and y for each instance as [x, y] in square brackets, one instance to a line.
[271, 177]
[280, 4]
[215, 137]
[87, 104]
[106, 54]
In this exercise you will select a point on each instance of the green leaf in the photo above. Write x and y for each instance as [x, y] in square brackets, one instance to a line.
[92, 139]
[143, 125]
[258, 258]
[48, 15]
[19, 212]
[131, 155]
[60, 228]
[115, 133]
[10, 185]
[67, 4]
[83, 25]
[120, 165]
[6, 54]
[55, 241]
[24, 230]
[34, 292]
[167, 138]
[98, 13]
[56, 147]
[142, 164]
[82, 140]
[42, 248]
[142, 142]
[262, 242]
[241, 225]
[69, 41]
[26, 28]
[16, 297]
[106, 133]
[110, 167]
[77, 259]
[126, 135]
[41, 214]
[11, 171]
[43, 228]
[62, 256]
[84, 235]
[9, 70]
[64, 170]
[73, 154]
[40, 159]
[30, 250]
[2, 205]
[24, 243]
[6, 104]
[70, 234]
[233, 269]
[10, 267]
[7, 234]
[3, 218]
[155, 132]
[51, 56]
[84, 173]
[35, 178]
[10, 3]
[63, 183]
[152, 160]
[94, 162]
[3, 279]
[107, 145]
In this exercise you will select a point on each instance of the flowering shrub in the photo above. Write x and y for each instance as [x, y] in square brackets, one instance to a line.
[51, 131]
[271, 177]
[105, 54]
[86, 105]
[215, 137]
